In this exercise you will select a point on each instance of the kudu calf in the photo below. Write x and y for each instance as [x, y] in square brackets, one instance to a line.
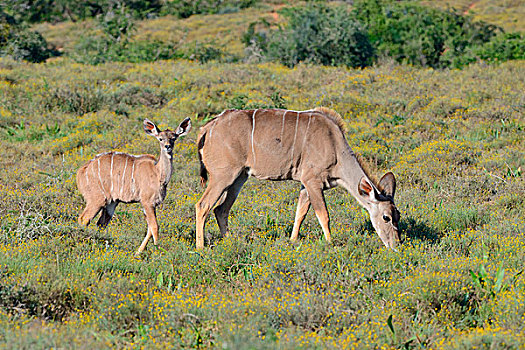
[114, 177]
[307, 146]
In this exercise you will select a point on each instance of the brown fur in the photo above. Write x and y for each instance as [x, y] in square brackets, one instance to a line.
[306, 146]
[333, 116]
[114, 177]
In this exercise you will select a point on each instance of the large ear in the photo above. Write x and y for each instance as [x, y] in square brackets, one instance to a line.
[387, 184]
[150, 128]
[184, 127]
[367, 189]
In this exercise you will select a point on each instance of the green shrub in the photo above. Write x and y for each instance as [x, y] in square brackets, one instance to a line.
[62, 10]
[187, 8]
[149, 51]
[503, 47]
[34, 11]
[97, 50]
[114, 44]
[420, 35]
[406, 32]
[7, 24]
[28, 45]
[318, 34]
[203, 53]
[20, 43]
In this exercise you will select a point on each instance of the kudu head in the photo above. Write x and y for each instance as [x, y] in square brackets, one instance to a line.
[167, 137]
[380, 205]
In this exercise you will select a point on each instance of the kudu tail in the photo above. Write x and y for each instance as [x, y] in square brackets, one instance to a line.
[203, 170]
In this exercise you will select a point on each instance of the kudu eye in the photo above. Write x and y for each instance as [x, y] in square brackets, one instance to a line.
[386, 218]
[161, 139]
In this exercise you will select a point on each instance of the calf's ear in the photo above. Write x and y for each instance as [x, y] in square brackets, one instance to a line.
[150, 128]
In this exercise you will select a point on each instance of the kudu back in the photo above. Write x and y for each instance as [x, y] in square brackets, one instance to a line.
[114, 177]
[275, 144]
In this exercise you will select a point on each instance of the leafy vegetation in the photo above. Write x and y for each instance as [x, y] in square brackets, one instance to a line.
[406, 32]
[316, 34]
[21, 43]
[62, 10]
[454, 139]
[420, 35]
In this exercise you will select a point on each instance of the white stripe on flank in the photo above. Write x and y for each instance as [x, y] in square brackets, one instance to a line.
[133, 179]
[253, 131]
[282, 128]
[111, 174]
[124, 173]
[94, 176]
[295, 134]
[100, 179]
[87, 178]
[211, 130]
[306, 132]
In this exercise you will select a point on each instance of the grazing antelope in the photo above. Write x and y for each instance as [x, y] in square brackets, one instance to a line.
[274, 144]
[114, 177]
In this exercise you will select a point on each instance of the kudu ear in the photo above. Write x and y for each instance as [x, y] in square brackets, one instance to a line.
[150, 128]
[184, 127]
[387, 184]
[367, 189]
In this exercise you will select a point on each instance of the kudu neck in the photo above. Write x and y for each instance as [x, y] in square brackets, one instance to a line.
[164, 166]
[351, 173]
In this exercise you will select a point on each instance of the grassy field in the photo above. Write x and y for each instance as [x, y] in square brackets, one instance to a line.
[454, 138]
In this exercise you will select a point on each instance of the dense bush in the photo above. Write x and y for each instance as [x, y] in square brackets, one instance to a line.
[97, 50]
[420, 35]
[406, 32]
[28, 45]
[20, 43]
[114, 43]
[186, 8]
[34, 11]
[504, 47]
[61, 10]
[317, 34]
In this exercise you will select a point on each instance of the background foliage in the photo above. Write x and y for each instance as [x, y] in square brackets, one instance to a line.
[373, 30]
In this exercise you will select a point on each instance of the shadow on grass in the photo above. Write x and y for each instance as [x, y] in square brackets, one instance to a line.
[409, 228]
[414, 229]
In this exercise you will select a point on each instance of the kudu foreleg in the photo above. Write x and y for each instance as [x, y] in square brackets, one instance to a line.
[153, 228]
[315, 193]
[303, 204]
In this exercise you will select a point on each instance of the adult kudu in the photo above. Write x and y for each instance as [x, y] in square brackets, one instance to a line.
[114, 177]
[274, 144]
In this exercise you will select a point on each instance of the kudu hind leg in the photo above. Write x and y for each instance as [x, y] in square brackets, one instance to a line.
[90, 211]
[315, 193]
[223, 210]
[107, 214]
[303, 204]
[216, 187]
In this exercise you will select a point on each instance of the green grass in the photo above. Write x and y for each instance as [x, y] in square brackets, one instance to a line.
[454, 139]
